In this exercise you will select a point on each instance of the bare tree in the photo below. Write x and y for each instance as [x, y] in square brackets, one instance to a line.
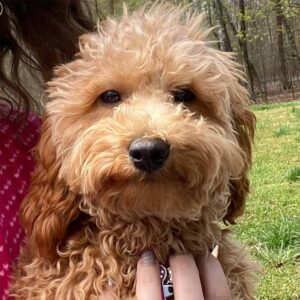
[292, 40]
[280, 44]
[241, 38]
[222, 33]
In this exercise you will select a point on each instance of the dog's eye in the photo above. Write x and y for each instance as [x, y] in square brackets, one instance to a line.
[183, 95]
[110, 97]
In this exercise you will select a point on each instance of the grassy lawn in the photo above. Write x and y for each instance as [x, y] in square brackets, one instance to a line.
[271, 224]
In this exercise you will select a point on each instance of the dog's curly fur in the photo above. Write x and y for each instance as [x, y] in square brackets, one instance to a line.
[89, 213]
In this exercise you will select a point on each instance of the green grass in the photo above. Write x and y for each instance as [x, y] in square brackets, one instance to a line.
[280, 242]
[271, 223]
[271, 106]
[293, 174]
[296, 112]
[283, 130]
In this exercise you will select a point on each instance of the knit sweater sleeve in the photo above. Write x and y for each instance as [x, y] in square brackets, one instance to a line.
[16, 167]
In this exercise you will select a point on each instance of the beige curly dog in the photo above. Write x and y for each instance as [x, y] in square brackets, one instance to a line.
[146, 144]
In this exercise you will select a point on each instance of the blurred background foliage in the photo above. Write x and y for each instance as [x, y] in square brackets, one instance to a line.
[265, 34]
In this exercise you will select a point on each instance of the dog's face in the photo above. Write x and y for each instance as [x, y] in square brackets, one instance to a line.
[143, 119]
[150, 119]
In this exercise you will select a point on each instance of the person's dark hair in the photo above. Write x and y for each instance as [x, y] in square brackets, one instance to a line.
[35, 36]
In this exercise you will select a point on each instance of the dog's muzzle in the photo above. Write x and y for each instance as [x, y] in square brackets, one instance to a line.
[148, 154]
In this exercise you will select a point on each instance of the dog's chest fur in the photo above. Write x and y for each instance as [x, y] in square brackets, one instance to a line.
[106, 248]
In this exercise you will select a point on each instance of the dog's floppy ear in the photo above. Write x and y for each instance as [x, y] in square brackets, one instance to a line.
[49, 206]
[244, 125]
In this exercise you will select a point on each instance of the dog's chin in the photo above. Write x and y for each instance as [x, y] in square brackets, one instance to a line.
[150, 197]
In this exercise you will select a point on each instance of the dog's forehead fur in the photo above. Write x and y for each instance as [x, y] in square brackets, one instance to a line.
[152, 35]
[163, 48]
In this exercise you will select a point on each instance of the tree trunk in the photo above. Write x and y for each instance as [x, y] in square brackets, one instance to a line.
[208, 12]
[223, 37]
[112, 7]
[271, 44]
[280, 45]
[249, 67]
[251, 72]
[291, 38]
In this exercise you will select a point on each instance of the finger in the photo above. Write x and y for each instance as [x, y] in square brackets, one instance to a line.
[213, 279]
[148, 286]
[185, 276]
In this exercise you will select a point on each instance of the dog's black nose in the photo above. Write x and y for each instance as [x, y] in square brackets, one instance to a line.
[148, 154]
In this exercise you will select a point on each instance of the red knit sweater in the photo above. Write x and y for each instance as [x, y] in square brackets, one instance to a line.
[16, 167]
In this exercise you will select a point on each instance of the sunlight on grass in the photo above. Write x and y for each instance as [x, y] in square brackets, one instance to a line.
[271, 223]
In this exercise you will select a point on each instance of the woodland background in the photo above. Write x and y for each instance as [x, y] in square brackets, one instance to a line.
[265, 34]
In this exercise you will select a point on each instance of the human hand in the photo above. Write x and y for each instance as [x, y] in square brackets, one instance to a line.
[198, 279]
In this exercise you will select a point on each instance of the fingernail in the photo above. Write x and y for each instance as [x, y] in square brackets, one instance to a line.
[148, 258]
